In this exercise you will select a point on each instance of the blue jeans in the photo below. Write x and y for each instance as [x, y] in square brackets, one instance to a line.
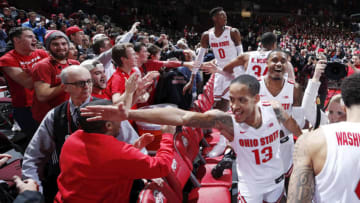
[25, 120]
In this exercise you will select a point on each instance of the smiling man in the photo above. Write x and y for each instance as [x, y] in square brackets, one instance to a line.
[253, 130]
[98, 76]
[46, 75]
[274, 86]
[17, 67]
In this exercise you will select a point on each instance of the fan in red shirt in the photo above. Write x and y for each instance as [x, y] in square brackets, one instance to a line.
[46, 75]
[125, 58]
[98, 76]
[17, 67]
[354, 65]
[95, 152]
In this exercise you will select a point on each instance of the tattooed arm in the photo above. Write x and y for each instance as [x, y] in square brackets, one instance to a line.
[172, 116]
[309, 158]
[285, 118]
[164, 116]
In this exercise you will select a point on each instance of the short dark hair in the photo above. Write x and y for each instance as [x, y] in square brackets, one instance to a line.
[153, 49]
[250, 81]
[138, 45]
[268, 39]
[215, 10]
[350, 90]
[277, 50]
[100, 43]
[93, 126]
[119, 51]
[17, 32]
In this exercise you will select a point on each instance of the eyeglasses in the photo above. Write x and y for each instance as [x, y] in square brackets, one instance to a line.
[80, 84]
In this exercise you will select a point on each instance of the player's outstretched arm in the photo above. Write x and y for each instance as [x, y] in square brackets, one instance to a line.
[238, 61]
[302, 181]
[164, 116]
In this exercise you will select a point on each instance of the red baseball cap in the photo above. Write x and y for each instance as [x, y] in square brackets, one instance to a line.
[73, 29]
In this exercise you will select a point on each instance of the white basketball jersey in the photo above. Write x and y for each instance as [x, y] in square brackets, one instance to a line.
[286, 99]
[259, 166]
[257, 63]
[223, 46]
[339, 179]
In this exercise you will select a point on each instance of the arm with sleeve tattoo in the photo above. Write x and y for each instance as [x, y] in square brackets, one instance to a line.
[164, 116]
[285, 119]
[302, 181]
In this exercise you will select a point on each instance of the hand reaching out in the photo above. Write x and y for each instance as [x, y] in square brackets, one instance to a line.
[105, 112]
[144, 140]
[209, 67]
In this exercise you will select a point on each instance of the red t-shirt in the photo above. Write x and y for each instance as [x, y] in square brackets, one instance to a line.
[21, 96]
[48, 70]
[155, 65]
[100, 96]
[350, 70]
[116, 84]
[107, 167]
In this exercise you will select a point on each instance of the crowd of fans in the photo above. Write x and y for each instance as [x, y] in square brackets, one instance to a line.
[55, 64]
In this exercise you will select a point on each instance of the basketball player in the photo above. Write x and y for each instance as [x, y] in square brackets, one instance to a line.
[253, 130]
[327, 160]
[274, 86]
[253, 62]
[226, 44]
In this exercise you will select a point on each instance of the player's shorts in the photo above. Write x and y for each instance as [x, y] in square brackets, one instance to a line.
[287, 149]
[221, 87]
[222, 90]
[273, 196]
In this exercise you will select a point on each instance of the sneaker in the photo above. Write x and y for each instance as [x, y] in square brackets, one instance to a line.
[225, 163]
[15, 127]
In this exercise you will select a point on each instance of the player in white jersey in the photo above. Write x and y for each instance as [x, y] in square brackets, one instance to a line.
[259, 148]
[226, 44]
[274, 86]
[259, 165]
[327, 160]
[254, 62]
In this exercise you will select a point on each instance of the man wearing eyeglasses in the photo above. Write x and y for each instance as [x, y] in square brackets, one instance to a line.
[41, 159]
[48, 92]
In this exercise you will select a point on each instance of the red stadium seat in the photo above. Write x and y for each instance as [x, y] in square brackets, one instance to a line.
[210, 194]
[179, 175]
[207, 180]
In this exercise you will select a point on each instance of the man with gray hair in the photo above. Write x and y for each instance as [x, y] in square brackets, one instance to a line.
[41, 161]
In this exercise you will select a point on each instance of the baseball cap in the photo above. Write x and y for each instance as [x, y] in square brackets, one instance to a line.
[73, 29]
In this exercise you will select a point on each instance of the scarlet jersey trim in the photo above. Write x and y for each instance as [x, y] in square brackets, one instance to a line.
[291, 81]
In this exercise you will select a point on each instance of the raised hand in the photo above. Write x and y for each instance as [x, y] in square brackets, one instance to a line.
[144, 140]
[131, 84]
[134, 27]
[319, 69]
